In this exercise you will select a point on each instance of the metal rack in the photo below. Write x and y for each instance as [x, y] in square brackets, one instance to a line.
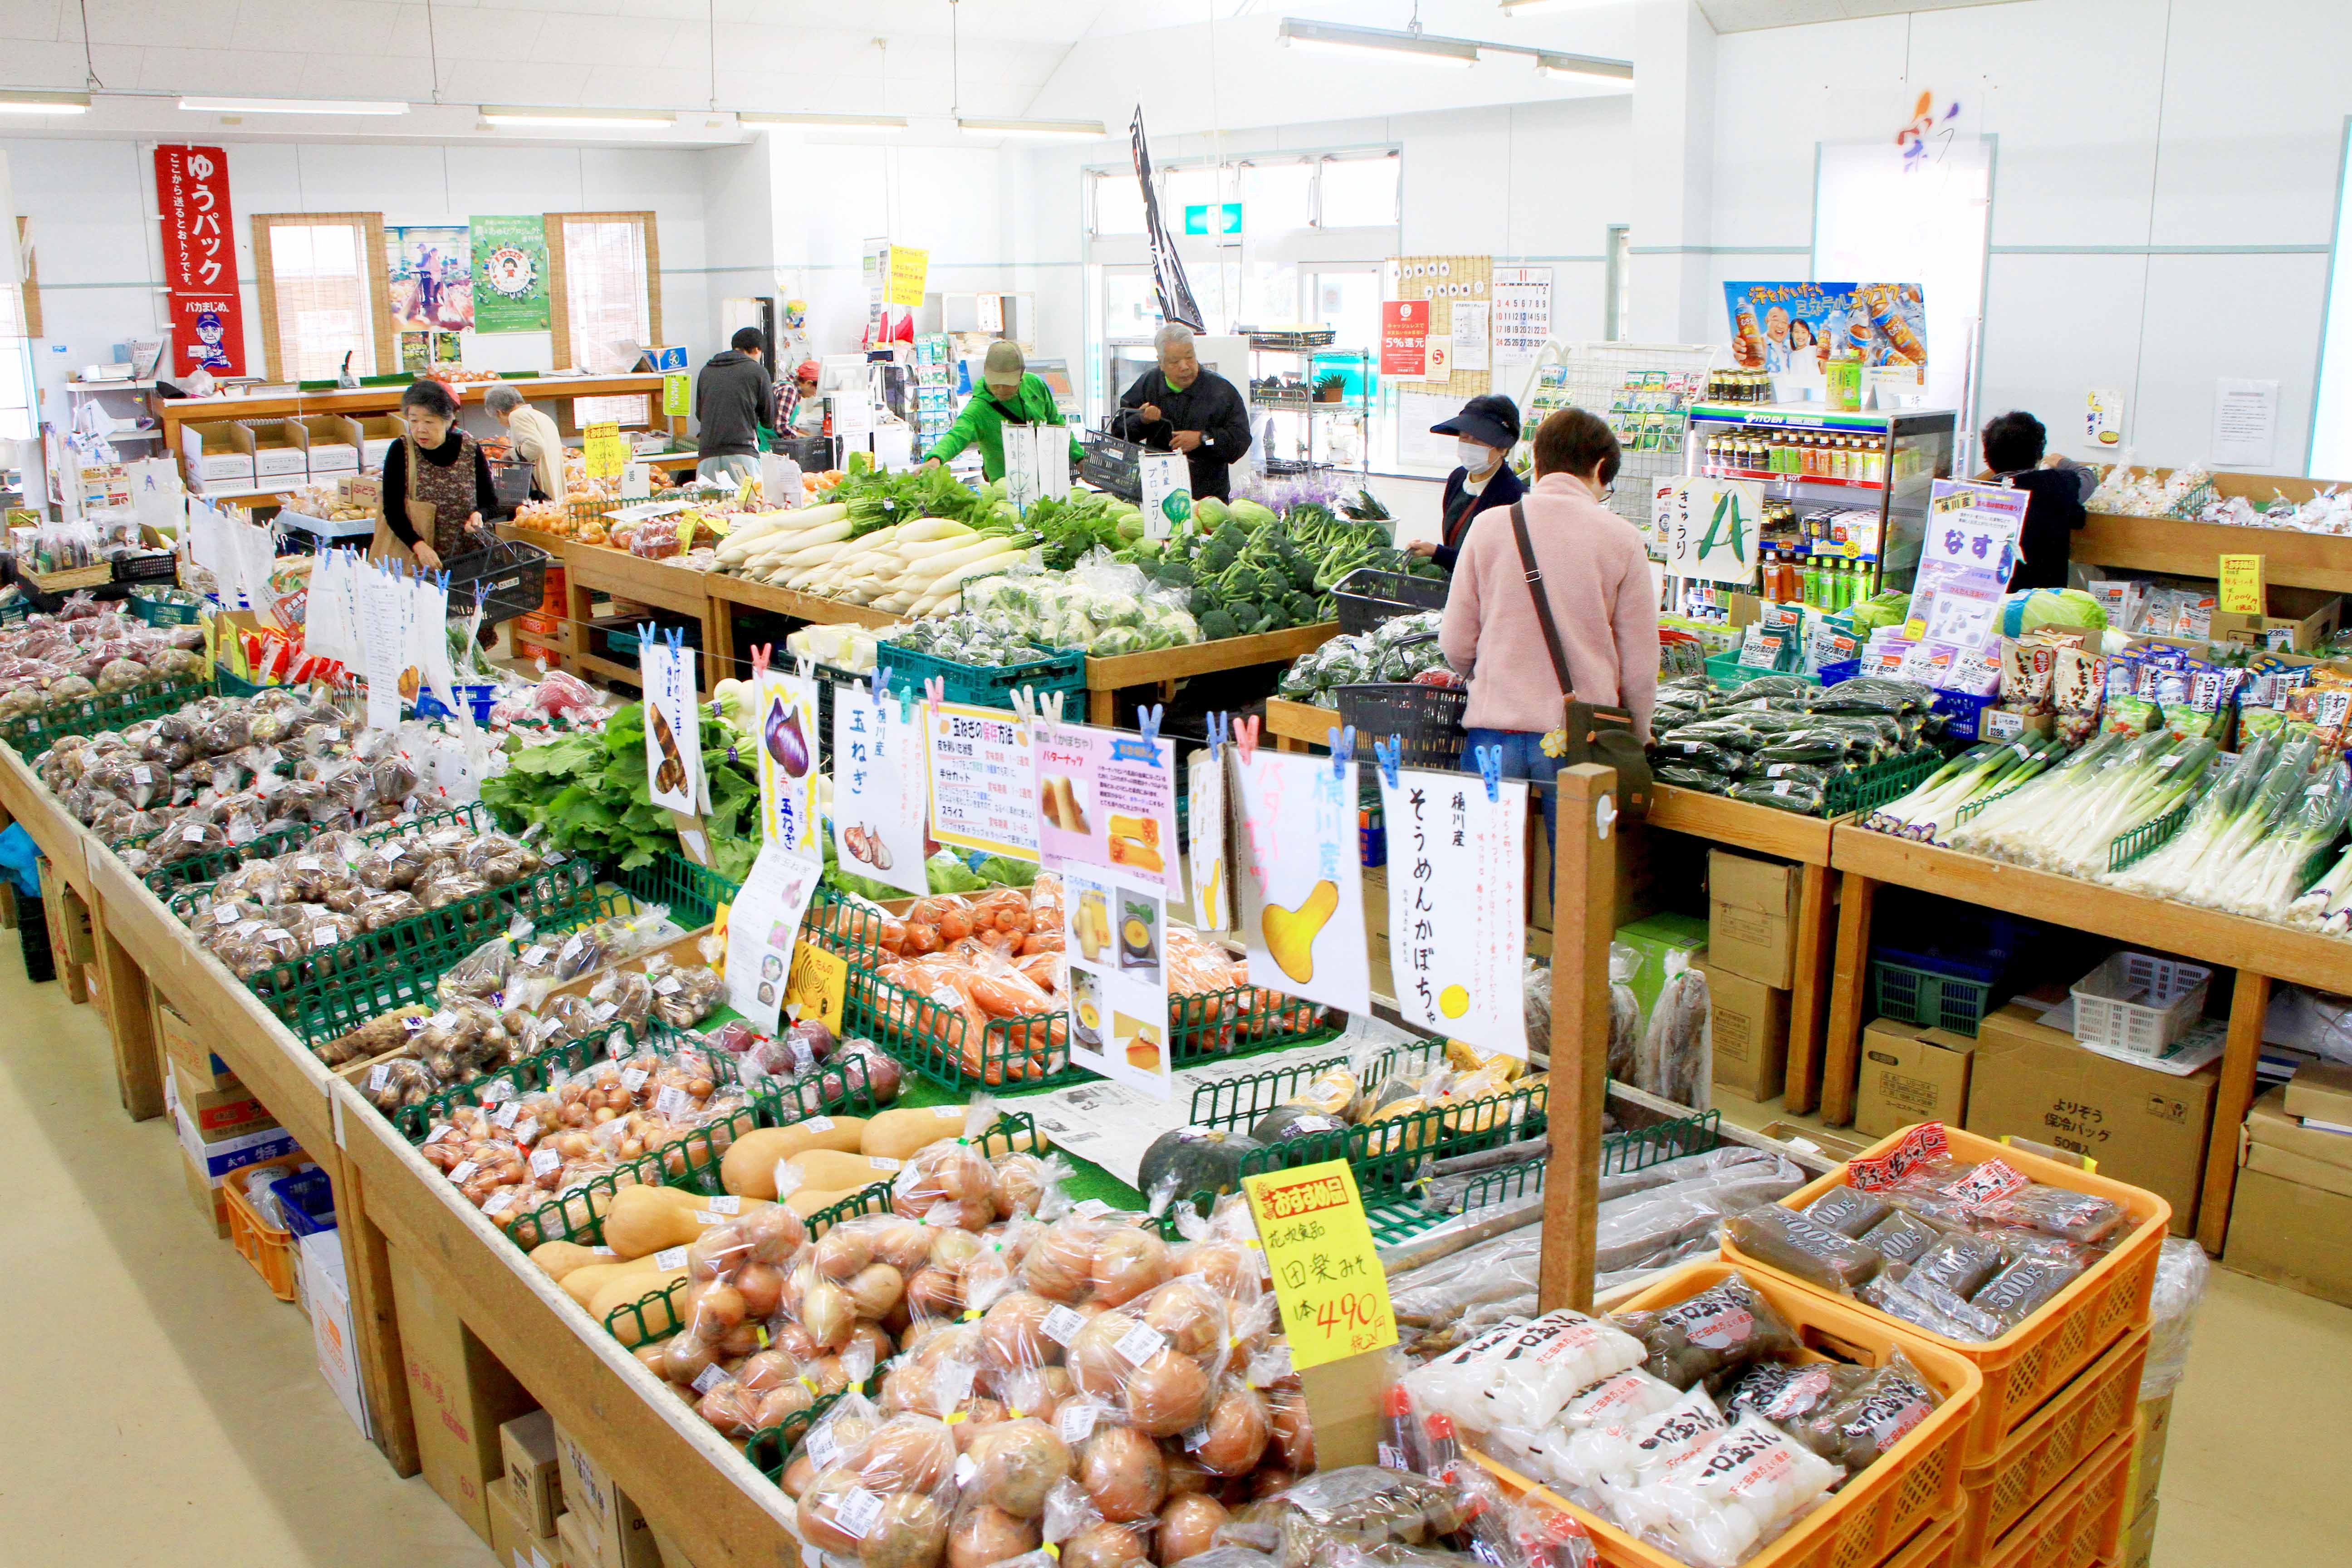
[1318, 441]
[1627, 384]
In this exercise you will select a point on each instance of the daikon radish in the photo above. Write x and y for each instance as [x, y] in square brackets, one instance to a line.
[954, 580]
[937, 567]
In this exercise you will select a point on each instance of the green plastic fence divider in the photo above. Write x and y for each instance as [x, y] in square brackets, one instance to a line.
[2150, 836]
[29, 734]
[771, 1447]
[655, 1313]
[210, 866]
[1880, 783]
[692, 893]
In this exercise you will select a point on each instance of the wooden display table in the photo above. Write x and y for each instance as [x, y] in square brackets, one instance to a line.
[2260, 952]
[2290, 558]
[592, 568]
[1295, 726]
[1163, 668]
[727, 591]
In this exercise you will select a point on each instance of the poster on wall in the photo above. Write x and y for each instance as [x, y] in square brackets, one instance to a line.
[1404, 338]
[200, 260]
[1457, 881]
[511, 274]
[1788, 327]
[1522, 314]
[1299, 873]
[431, 270]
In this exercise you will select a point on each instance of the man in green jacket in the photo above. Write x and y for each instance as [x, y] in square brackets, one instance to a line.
[1008, 394]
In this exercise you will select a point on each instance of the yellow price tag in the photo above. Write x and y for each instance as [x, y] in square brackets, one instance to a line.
[607, 452]
[2242, 584]
[818, 984]
[1326, 1266]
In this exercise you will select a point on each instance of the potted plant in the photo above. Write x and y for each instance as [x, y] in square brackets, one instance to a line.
[1330, 388]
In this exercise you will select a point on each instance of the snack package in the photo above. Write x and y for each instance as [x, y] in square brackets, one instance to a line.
[1795, 1244]
[1871, 1415]
[1722, 1327]
[1729, 1496]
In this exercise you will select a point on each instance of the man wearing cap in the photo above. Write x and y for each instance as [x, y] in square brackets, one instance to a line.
[1178, 405]
[790, 394]
[1008, 394]
[1483, 434]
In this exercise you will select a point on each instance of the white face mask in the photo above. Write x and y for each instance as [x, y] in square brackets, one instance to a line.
[1474, 455]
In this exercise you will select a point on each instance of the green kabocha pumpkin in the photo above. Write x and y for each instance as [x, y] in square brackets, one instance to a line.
[1193, 1160]
[1285, 1123]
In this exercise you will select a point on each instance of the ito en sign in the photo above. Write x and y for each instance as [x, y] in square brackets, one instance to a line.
[1324, 1266]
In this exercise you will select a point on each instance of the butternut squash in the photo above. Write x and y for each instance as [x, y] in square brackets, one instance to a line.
[833, 1172]
[583, 1283]
[808, 1200]
[899, 1134]
[641, 1220]
[748, 1167]
[561, 1257]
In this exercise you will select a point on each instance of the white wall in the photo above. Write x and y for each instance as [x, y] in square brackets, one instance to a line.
[98, 244]
[2163, 187]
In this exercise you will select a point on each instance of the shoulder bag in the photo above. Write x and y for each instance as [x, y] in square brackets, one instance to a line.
[1595, 734]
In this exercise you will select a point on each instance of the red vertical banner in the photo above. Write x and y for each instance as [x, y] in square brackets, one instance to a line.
[200, 260]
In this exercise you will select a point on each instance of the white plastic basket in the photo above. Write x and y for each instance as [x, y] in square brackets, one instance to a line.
[2138, 1002]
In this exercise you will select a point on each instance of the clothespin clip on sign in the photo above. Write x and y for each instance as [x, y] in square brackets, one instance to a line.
[1246, 738]
[1051, 706]
[1343, 749]
[879, 687]
[761, 655]
[1025, 703]
[1147, 719]
[646, 636]
[1217, 736]
[1387, 753]
[803, 666]
[1490, 766]
[935, 691]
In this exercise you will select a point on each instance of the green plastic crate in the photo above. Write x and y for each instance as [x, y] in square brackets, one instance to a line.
[1923, 996]
[30, 734]
[1880, 783]
[691, 892]
[237, 686]
[982, 686]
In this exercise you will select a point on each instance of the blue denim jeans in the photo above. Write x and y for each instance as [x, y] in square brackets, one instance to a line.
[1523, 758]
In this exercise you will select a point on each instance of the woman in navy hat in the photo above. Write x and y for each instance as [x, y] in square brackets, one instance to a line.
[1483, 434]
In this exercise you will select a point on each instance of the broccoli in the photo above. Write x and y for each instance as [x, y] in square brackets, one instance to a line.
[1216, 556]
[1217, 623]
[1174, 572]
[1203, 599]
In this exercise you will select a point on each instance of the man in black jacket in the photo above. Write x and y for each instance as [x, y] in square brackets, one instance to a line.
[732, 400]
[1177, 406]
[2057, 487]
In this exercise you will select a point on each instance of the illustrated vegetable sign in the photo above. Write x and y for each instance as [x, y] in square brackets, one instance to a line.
[1300, 876]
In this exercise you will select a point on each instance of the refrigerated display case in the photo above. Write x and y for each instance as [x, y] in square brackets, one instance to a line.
[1846, 494]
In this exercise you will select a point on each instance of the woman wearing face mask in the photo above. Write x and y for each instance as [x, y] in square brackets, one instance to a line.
[1483, 434]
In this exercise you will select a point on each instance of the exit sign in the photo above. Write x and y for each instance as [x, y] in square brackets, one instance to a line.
[1213, 217]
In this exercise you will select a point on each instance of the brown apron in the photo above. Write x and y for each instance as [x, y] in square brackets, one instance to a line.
[440, 500]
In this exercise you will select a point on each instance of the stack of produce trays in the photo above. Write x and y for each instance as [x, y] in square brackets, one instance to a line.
[1780, 742]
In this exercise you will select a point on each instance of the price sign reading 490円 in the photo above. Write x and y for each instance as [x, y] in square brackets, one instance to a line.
[1327, 1270]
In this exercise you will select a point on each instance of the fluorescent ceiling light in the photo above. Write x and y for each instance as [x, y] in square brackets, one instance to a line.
[1528, 7]
[292, 105]
[44, 103]
[1419, 47]
[1031, 128]
[824, 121]
[1584, 67]
[614, 119]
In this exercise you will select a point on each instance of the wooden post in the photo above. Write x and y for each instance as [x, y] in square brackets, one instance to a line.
[1585, 908]
[1816, 945]
[131, 1019]
[1841, 1054]
[2248, 1005]
[375, 1324]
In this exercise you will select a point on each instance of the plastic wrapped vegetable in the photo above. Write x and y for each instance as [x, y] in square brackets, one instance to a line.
[1677, 1060]
[1722, 1327]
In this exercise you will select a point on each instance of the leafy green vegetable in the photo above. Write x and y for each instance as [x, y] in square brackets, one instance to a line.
[590, 795]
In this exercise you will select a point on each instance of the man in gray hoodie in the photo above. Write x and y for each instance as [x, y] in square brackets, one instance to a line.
[733, 400]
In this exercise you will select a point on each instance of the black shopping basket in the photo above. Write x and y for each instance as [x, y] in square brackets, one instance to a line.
[1426, 719]
[1369, 596]
[508, 579]
[510, 482]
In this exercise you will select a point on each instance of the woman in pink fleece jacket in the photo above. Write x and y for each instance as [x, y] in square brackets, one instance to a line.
[1604, 600]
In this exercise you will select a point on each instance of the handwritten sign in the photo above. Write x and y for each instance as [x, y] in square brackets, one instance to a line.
[983, 774]
[607, 452]
[1325, 1267]
[1710, 528]
[2242, 584]
[818, 986]
[1456, 860]
[677, 395]
[910, 269]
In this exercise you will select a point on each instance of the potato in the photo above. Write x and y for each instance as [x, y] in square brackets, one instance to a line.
[749, 1169]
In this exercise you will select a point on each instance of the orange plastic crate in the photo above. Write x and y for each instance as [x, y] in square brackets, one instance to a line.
[2026, 1366]
[2080, 1523]
[2053, 1442]
[1937, 1546]
[1880, 1510]
[267, 1249]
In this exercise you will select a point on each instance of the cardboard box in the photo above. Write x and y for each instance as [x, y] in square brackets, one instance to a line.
[216, 1157]
[2274, 1141]
[1659, 941]
[1830, 1144]
[277, 448]
[2143, 1127]
[1376, 903]
[192, 1060]
[460, 1393]
[579, 1546]
[532, 1480]
[2321, 1092]
[329, 1293]
[1751, 927]
[219, 1113]
[216, 459]
[2140, 1539]
[2152, 1423]
[374, 434]
[600, 1512]
[2292, 1235]
[331, 450]
[1750, 1032]
[1910, 1074]
[508, 1530]
[2300, 620]
[2007, 724]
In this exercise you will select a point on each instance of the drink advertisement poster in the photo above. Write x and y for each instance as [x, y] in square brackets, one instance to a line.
[1784, 326]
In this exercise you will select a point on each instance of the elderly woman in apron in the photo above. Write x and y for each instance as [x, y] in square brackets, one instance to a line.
[437, 484]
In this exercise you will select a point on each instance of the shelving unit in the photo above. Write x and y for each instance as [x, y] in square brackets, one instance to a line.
[1271, 394]
[2292, 558]
[1626, 383]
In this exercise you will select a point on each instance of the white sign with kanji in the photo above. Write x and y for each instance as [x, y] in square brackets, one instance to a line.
[1457, 881]
[1710, 528]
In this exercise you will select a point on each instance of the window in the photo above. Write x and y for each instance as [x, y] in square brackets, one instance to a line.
[323, 294]
[1118, 203]
[1277, 197]
[1350, 304]
[1181, 188]
[19, 324]
[602, 273]
[1359, 192]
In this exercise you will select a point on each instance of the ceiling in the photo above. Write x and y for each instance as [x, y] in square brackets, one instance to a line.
[1751, 15]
